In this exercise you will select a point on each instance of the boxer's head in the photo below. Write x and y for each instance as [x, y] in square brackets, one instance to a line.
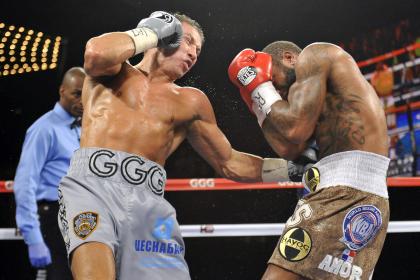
[284, 55]
[176, 63]
[71, 91]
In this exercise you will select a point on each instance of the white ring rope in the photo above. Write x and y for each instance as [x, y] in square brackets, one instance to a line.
[232, 230]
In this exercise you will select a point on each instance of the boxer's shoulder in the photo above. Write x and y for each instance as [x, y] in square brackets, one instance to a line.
[321, 53]
[315, 59]
[193, 95]
[196, 100]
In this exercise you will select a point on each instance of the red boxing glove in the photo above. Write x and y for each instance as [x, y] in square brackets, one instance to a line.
[250, 71]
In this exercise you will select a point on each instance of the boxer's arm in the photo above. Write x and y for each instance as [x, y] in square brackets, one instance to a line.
[210, 142]
[281, 145]
[294, 121]
[105, 54]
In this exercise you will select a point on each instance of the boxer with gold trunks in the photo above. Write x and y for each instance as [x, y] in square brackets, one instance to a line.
[338, 230]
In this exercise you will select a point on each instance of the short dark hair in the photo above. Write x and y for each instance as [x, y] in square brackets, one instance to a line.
[277, 48]
[184, 18]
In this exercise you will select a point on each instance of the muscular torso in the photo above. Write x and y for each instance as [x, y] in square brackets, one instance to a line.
[129, 113]
[352, 117]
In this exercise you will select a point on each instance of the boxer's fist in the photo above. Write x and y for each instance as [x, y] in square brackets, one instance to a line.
[296, 171]
[301, 164]
[309, 155]
[167, 28]
[248, 70]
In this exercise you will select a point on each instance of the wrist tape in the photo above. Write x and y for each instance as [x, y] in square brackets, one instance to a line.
[275, 170]
[263, 97]
[143, 39]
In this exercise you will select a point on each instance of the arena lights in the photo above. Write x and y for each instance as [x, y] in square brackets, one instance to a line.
[24, 50]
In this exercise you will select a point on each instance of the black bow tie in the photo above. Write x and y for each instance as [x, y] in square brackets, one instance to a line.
[76, 123]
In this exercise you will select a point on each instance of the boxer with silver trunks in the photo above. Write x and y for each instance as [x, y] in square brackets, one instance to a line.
[338, 230]
[113, 217]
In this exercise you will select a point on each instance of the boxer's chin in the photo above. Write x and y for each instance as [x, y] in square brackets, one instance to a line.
[290, 77]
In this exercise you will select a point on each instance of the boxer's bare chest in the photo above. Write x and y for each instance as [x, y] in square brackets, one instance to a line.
[132, 95]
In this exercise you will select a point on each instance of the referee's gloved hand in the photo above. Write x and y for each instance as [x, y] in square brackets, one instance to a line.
[39, 255]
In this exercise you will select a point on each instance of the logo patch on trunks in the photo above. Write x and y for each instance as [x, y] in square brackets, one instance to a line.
[85, 223]
[312, 178]
[360, 226]
[163, 228]
[295, 244]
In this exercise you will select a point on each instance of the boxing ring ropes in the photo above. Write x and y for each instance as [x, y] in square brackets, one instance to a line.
[266, 229]
[225, 230]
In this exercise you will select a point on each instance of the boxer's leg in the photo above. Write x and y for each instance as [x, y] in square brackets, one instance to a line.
[93, 260]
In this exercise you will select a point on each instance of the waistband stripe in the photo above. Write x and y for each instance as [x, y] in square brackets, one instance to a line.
[356, 169]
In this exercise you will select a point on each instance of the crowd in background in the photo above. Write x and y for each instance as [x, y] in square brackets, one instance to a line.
[395, 88]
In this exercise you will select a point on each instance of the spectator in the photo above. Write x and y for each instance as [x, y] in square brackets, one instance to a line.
[383, 80]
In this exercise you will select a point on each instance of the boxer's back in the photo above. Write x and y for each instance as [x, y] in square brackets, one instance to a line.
[129, 113]
[352, 117]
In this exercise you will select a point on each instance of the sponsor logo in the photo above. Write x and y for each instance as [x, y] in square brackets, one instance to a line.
[202, 183]
[163, 228]
[162, 231]
[295, 244]
[207, 228]
[164, 17]
[133, 170]
[303, 211]
[311, 179]
[155, 246]
[85, 223]
[63, 225]
[133, 164]
[360, 226]
[246, 75]
[156, 180]
[107, 169]
[342, 268]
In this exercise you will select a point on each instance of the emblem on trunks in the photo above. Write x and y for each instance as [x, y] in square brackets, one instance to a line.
[312, 178]
[85, 223]
[295, 244]
[163, 228]
[360, 226]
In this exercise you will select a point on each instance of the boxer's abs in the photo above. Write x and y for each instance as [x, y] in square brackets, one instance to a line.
[109, 122]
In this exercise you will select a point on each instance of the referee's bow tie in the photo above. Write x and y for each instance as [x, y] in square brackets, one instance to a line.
[76, 123]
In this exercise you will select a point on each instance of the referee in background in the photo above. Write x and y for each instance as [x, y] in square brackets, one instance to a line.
[49, 144]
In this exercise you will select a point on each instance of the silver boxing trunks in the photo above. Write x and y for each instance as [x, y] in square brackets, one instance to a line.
[116, 198]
